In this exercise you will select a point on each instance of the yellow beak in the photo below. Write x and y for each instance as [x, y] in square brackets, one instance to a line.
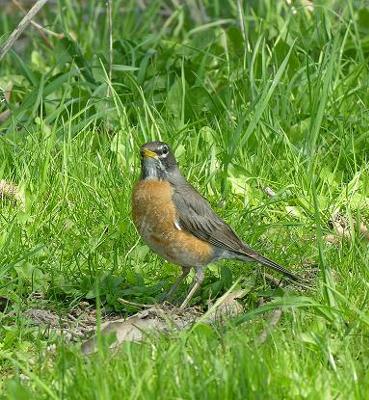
[149, 153]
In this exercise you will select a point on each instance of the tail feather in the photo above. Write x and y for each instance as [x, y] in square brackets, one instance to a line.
[251, 254]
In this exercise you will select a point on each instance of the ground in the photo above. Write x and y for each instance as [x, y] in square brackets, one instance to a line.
[265, 105]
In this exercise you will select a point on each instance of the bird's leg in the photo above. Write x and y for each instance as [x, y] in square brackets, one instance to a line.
[198, 281]
[185, 272]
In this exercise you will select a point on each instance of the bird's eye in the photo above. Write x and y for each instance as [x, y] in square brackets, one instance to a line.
[165, 150]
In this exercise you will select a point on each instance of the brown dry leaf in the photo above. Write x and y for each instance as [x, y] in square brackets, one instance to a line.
[129, 330]
[165, 318]
[226, 307]
[134, 328]
[342, 229]
[11, 191]
[5, 115]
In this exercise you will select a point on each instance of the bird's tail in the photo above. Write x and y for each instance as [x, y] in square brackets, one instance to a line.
[251, 255]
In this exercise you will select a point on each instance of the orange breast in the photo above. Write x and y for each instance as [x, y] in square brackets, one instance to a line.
[155, 217]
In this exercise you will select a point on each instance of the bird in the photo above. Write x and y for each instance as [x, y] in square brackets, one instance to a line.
[179, 224]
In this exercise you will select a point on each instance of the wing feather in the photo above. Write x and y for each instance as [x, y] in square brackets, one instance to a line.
[197, 217]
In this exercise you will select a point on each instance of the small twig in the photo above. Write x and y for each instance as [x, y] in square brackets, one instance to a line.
[41, 29]
[44, 37]
[138, 305]
[21, 27]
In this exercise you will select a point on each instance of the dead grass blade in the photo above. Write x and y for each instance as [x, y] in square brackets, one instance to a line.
[21, 27]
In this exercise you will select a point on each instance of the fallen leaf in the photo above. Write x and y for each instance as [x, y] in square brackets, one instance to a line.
[134, 328]
[11, 191]
[226, 307]
[342, 228]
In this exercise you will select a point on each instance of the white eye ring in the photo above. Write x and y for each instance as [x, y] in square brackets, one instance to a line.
[165, 151]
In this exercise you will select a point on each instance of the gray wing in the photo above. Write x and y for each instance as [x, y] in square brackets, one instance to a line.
[195, 215]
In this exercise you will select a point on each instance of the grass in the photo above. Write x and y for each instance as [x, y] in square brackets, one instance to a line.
[250, 95]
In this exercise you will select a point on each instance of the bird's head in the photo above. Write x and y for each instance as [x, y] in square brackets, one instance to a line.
[157, 161]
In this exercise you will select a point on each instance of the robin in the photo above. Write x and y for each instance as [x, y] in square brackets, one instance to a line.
[179, 224]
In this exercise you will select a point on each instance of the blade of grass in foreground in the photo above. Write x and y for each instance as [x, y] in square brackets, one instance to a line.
[239, 139]
[314, 132]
